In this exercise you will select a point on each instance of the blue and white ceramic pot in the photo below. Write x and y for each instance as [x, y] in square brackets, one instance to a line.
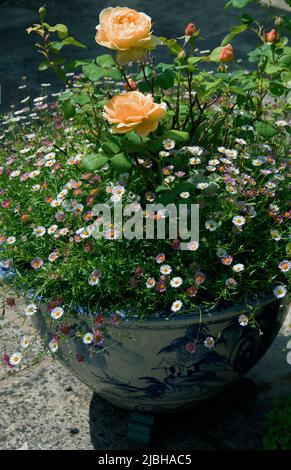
[162, 365]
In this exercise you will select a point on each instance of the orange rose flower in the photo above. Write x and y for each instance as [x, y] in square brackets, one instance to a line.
[127, 31]
[134, 111]
[226, 54]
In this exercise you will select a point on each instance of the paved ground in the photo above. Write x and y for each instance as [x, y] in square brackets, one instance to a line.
[18, 56]
[45, 407]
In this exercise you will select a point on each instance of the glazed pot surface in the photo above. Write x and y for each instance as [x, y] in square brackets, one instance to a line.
[164, 365]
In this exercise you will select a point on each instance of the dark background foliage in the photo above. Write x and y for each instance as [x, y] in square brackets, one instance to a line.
[18, 56]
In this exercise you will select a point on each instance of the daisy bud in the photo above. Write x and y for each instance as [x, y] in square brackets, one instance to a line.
[190, 29]
[138, 271]
[278, 20]
[226, 54]
[271, 36]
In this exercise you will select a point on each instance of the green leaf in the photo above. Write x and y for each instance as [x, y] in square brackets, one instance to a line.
[81, 99]
[70, 41]
[93, 162]
[105, 60]
[166, 79]
[276, 88]
[194, 60]
[214, 56]
[110, 148]
[68, 109]
[120, 162]
[177, 136]
[240, 3]
[235, 30]
[43, 66]
[285, 60]
[92, 72]
[265, 129]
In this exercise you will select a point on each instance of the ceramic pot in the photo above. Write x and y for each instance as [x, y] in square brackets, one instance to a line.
[162, 365]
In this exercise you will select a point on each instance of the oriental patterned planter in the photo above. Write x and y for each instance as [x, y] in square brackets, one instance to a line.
[163, 365]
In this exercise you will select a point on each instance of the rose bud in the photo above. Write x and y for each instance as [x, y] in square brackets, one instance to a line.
[130, 85]
[190, 29]
[271, 36]
[226, 54]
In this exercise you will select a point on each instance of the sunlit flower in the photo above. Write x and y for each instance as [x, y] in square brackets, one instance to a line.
[39, 231]
[165, 269]
[280, 292]
[176, 306]
[57, 313]
[11, 240]
[25, 342]
[169, 144]
[238, 267]
[238, 220]
[202, 186]
[227, 260]
[52, 229]
[275, 235]
[195, 150]
[185, 195]
[150, 282]
[88, 338]
[160, 258]
[176, 282]
[30, 310]
[53, 345]
[281, 123]
[284, 266]
[94, 278]
[15, 358]
[192, 246]
[194, 161]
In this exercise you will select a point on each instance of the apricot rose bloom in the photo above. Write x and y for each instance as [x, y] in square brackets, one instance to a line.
[134, 111]
[126, 31]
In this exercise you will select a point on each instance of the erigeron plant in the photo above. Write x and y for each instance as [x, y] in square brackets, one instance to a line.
[129, 130]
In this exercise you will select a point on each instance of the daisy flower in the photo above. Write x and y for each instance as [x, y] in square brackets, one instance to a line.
[193, 246]
[25, 342]
[164, 154]
[53, 256]
[56, 203]
[185, 195]
[211, 225]
[281, 123]
[150, 283]
[231, 283]
[209, 342]
[284, 266]
[238, 220]
[169, 144]
[14, 174]
[39, 231]
[275, 235]
[52, 229]
[238, 267]
[241, 141]
[195, 150]
[227, 260]
[30, 310]
[202, 186]
[243, 320]
[11, 240]
[199, 278]
[160, 258]
[231, 153]
[176, 282]
[280, 292]
[165, 269]
[221, 149]
[194, 161]
[88, 338]
[57, 313]
[176, 306]
[53, 345]
[15, 358]
[94, 278]
[213, 162]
